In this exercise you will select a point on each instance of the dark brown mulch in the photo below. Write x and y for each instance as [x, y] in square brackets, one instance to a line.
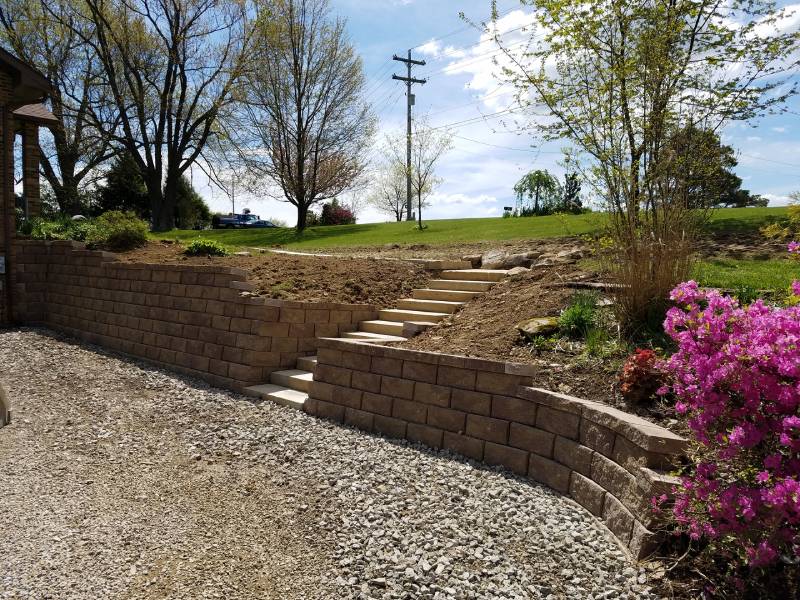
[306, 278]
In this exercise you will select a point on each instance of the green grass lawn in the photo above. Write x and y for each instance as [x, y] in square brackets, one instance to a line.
[776, 274]
[451, 230]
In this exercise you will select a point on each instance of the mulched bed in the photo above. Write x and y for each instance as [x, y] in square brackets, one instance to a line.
[306, 278]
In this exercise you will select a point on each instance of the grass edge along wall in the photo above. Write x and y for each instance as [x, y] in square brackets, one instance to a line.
[199, 320]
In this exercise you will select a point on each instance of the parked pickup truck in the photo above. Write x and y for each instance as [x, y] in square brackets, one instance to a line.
[240, 222]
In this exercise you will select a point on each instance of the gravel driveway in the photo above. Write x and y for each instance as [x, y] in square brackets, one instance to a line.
[118, 480]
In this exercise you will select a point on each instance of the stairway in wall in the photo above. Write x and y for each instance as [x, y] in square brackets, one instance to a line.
[425, 308]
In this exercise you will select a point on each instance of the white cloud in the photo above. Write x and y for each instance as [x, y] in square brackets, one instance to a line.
[461, 199]
[778, 129]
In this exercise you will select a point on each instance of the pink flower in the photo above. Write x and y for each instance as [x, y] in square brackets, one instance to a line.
[794, 247]
[736, 380]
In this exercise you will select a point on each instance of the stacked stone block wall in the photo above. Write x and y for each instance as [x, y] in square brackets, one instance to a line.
[201, 320]
[608, 461]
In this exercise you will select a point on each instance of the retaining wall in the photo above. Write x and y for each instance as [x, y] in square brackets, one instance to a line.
[608, 461]
[200, 320]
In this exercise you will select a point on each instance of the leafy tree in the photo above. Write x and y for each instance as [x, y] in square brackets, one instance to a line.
[388, 194]
[124, 189]
[169, 68]
[538, 193]
[571, 193]
[618, 79]
[703, 168]
[192, 212]
[71, 155]
[428, 146]
[303, 105]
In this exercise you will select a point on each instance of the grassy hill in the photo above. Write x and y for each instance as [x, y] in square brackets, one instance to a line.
[451, 230]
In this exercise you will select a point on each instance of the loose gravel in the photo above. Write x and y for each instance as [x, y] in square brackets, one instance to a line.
[119, 480]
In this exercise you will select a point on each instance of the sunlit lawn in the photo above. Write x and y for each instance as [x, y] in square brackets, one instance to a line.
[451, 230]
[776, 274]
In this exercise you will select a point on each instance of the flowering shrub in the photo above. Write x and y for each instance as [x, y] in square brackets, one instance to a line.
[640, 377]
[736, 377]
[334, 213]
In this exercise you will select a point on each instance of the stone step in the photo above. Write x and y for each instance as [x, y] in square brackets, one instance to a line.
[461, 285]
[440, 265]
[475, 274]
[447, 295]
[374, 338]
[433, 306]
[307, 363]
[278, 394]
[401, 315]
[381, 326]
[293, 378]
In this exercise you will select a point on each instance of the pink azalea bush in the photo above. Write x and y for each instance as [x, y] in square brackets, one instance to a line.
[736, 378]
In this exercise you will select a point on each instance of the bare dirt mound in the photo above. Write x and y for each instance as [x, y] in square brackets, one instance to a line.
[306, 278]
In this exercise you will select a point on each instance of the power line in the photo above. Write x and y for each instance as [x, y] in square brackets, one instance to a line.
[409, 81]
[777, 162]
[465, 28]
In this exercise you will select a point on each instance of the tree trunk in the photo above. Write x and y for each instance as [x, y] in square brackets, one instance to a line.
[419, 211]
[302, 215]
[162, 211]
[67, 197]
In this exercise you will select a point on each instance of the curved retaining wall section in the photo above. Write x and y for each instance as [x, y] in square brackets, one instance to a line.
[199, 320]
[606, 460]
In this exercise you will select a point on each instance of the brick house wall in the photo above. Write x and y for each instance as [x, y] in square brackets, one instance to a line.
[200, 320]
[608, 461]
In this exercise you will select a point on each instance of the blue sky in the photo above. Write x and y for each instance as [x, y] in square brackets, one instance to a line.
[488, 157]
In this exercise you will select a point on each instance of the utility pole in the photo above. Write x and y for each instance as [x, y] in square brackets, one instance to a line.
[410, 102]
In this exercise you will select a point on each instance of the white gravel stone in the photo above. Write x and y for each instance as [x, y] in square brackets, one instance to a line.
[119, 480]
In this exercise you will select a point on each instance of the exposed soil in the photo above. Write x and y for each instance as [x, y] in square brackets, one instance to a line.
[306, 278]
[486, 328]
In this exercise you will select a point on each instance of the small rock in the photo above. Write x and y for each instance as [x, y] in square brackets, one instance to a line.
[538, 326]
[519, 271]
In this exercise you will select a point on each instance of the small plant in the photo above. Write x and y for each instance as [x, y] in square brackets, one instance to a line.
[746, 294]
[600, 344]
[580, 316]
[640, 377]
[205, 247]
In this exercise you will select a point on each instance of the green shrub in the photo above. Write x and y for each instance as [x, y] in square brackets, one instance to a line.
[60, 228]
[205, 247]
[116, 230]
[580, 316]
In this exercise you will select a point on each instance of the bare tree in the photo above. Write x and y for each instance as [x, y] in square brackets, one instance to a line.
[428, 146]
[305, 126]
[388, 194]
[76, 147]
[170, 66]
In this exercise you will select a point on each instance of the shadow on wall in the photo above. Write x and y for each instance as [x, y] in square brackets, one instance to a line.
[5, 407]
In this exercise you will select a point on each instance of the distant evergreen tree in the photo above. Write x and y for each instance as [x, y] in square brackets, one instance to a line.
[124, 189]
[191, 211]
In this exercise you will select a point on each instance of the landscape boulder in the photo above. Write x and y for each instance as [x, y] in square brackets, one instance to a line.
[538, 326]
[474, 259]
[519, 271]
[493, 259]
